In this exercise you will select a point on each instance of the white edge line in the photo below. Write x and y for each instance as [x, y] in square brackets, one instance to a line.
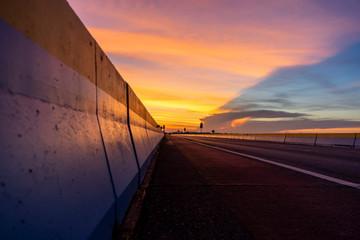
[314, 174]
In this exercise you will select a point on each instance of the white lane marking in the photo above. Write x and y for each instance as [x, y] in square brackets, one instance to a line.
[314, 174]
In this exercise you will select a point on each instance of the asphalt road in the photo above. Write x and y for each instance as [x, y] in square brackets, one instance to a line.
[198, 192]
[342, 163]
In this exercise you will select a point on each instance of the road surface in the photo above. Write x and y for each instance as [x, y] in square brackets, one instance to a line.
[341, 163]
[198, 192]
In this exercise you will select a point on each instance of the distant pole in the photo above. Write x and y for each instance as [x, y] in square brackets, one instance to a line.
[184, 129]
[201, 126]
[164, 128]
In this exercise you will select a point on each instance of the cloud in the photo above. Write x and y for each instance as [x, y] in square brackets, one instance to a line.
[229, 116]
[231, 58]
[232, 120]
[252, 38]
[322, 95]
[330, 84]
[239, 122]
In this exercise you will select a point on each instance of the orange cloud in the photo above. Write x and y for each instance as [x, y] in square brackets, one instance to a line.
[239, 122]
[249, 58]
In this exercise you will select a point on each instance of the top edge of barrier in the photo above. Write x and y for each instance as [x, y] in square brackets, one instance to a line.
[139, 108]
[54, 26]
[344, 135]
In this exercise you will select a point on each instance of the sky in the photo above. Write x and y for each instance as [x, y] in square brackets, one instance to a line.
[239, 66]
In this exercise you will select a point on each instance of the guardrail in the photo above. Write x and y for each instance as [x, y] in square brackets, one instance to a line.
[316, 139]
[75, 139]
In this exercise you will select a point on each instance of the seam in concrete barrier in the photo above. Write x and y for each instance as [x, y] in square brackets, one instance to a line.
[353, 146]
[101, 135]
[131, 135]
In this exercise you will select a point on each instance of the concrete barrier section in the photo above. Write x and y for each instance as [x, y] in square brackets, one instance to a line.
[54, 176]
[222, 135]
[237, 136]
[154, 136]
[270, 137]
[331, 139]
[112, 114]
[301, 138]
[69, 166]
[357, 140]
[153, 132]
[251, 137]
[137, 118]
[346, 139]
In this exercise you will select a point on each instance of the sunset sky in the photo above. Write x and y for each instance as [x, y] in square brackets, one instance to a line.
[237, 65]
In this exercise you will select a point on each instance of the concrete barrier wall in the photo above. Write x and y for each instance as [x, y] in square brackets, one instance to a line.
[237, 136]
[328, 139]
[301, 138]
[357, 141]
[137, 119]
[113, 120]
[250, 137]
[68, 160]
[270, 137]
[345, 139]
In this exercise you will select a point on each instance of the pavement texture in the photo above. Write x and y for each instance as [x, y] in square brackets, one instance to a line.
[202, 193]
[179, 204]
